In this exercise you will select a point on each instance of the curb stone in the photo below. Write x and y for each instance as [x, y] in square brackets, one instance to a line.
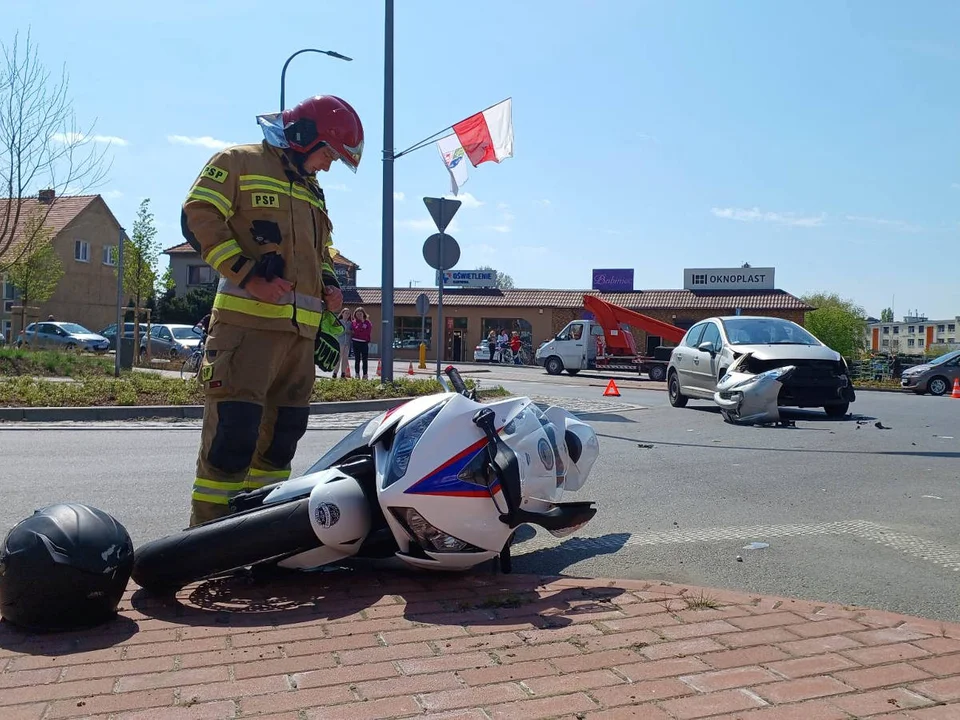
[181, 412]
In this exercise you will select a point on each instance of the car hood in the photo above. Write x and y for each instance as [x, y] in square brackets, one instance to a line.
[917, 369]
[788, 352]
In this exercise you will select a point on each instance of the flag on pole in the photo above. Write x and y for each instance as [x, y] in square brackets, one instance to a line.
[455, 159]
[488, 135]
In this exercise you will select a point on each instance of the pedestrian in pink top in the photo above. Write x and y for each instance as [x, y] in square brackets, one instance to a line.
[361, 340]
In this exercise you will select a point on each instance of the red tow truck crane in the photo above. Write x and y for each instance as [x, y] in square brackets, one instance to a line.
[606, 343]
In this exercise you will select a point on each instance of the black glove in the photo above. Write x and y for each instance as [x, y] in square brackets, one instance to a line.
[265, 232]
[326, 347]
[329, 278]
[270, 266]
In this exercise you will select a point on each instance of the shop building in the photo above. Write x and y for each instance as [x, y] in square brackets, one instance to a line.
[469, 313]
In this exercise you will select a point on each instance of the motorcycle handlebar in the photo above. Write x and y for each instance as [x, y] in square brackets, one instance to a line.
[456, 380]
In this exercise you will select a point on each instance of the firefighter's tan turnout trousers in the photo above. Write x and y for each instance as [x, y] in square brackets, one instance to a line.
[257, 385]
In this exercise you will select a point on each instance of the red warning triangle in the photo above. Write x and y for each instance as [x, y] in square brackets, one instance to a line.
[611, 389]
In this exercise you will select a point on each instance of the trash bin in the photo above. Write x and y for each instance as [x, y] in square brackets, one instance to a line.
[126, 353]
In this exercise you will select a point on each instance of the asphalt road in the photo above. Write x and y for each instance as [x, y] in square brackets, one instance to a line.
[849, 512]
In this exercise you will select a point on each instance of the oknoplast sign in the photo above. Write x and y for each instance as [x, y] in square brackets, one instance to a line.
[741, 278]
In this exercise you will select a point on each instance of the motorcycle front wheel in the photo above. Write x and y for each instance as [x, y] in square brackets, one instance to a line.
[219, 546]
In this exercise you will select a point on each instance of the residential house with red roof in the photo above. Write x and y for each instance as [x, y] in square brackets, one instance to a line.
[86, 235]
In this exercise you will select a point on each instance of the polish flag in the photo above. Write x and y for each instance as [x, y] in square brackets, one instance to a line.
[488, 135]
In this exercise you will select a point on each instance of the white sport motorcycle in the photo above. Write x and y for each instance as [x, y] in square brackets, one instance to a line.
[441, 482]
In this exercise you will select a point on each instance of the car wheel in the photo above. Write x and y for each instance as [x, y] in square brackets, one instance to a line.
[677, 398]
[657, 373]
[938, 385]
[836, 410]
[69, 347]
[553, 365]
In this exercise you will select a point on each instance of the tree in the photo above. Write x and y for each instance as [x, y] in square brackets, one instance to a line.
[36, 272]
[839, 323]
[140, 254]
[40, 146]
[886, 315]
[504, 281]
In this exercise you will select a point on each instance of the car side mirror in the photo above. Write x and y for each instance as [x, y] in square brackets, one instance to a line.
[707, 347]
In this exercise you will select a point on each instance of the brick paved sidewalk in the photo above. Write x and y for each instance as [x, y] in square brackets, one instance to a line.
[348, 646]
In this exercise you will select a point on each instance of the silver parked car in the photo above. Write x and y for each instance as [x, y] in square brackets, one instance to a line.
[711, 347]
[63, 335]
[171, 341]
[935, 377]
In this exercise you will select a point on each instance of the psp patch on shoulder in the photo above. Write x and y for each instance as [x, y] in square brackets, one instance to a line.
[212, 172]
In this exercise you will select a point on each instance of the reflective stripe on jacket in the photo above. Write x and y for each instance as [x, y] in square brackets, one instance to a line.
[247, 183]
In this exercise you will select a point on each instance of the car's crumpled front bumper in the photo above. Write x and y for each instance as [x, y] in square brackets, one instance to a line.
[749, 399]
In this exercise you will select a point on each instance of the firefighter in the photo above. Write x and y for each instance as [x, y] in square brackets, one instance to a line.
[257, 216]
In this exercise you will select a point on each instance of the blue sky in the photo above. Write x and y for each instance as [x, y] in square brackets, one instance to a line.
[820, 138]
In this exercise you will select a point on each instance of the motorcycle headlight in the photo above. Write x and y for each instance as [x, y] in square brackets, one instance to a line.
[403, 445]
[429, 537]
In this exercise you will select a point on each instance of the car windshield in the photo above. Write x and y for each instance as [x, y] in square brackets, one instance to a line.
[766, 331]
[75, 329]
[946, 358]
[184, 333]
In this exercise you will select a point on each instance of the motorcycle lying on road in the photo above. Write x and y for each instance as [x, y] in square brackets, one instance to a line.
[441, 482]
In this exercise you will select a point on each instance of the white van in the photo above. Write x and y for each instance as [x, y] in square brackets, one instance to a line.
[573, 349]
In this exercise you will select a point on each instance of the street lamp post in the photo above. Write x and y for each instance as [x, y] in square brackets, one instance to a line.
[283, 73]
[386, 279]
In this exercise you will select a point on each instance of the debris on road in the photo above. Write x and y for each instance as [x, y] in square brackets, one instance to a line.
[756, 546]
[644, 446]
[879, 425]
[739, 558]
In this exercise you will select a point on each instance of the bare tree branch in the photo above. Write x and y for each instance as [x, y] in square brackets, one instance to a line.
[41, 146]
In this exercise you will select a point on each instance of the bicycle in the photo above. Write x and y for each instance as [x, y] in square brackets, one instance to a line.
[191, 366]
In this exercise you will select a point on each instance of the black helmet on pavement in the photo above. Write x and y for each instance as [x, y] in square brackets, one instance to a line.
[63, 568]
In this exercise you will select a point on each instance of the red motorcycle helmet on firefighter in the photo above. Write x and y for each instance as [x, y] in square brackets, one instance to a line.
[325, 120]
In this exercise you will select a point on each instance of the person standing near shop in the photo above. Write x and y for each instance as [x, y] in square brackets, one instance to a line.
[346, 339]
[257, 216]
[361, 329]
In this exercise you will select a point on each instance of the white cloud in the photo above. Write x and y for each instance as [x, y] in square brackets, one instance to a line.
[204, 141]
[884, 223]
[502, 206]
[398, 196]
[337, 186]
[508, 217]
[113, 194]
[545, 203]
[482, 249]
[756, 215]
[468, 200]
[74, 137]
[500, 228]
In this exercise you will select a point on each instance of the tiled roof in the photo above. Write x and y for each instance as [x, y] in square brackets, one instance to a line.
[56, 215]
[186, 249]
[644, 300]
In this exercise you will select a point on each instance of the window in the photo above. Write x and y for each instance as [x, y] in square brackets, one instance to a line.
[109, 254]
[406, 332]
[5, 330]
[201, 275]
[693, 335]
[711, 334]
[886, 343]
[941, 328]
[920, 342]
[920, 328]
[951, 340]
[896, 329]
[886, 330]
[573, 331]
[911, 342]
[951, 328]
[81, 251]
[9, 296]
[910, 329]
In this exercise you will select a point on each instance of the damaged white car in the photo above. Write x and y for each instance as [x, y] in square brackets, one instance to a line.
[753, 365]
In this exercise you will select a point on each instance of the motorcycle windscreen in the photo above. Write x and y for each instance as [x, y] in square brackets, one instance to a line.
[356, 440]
